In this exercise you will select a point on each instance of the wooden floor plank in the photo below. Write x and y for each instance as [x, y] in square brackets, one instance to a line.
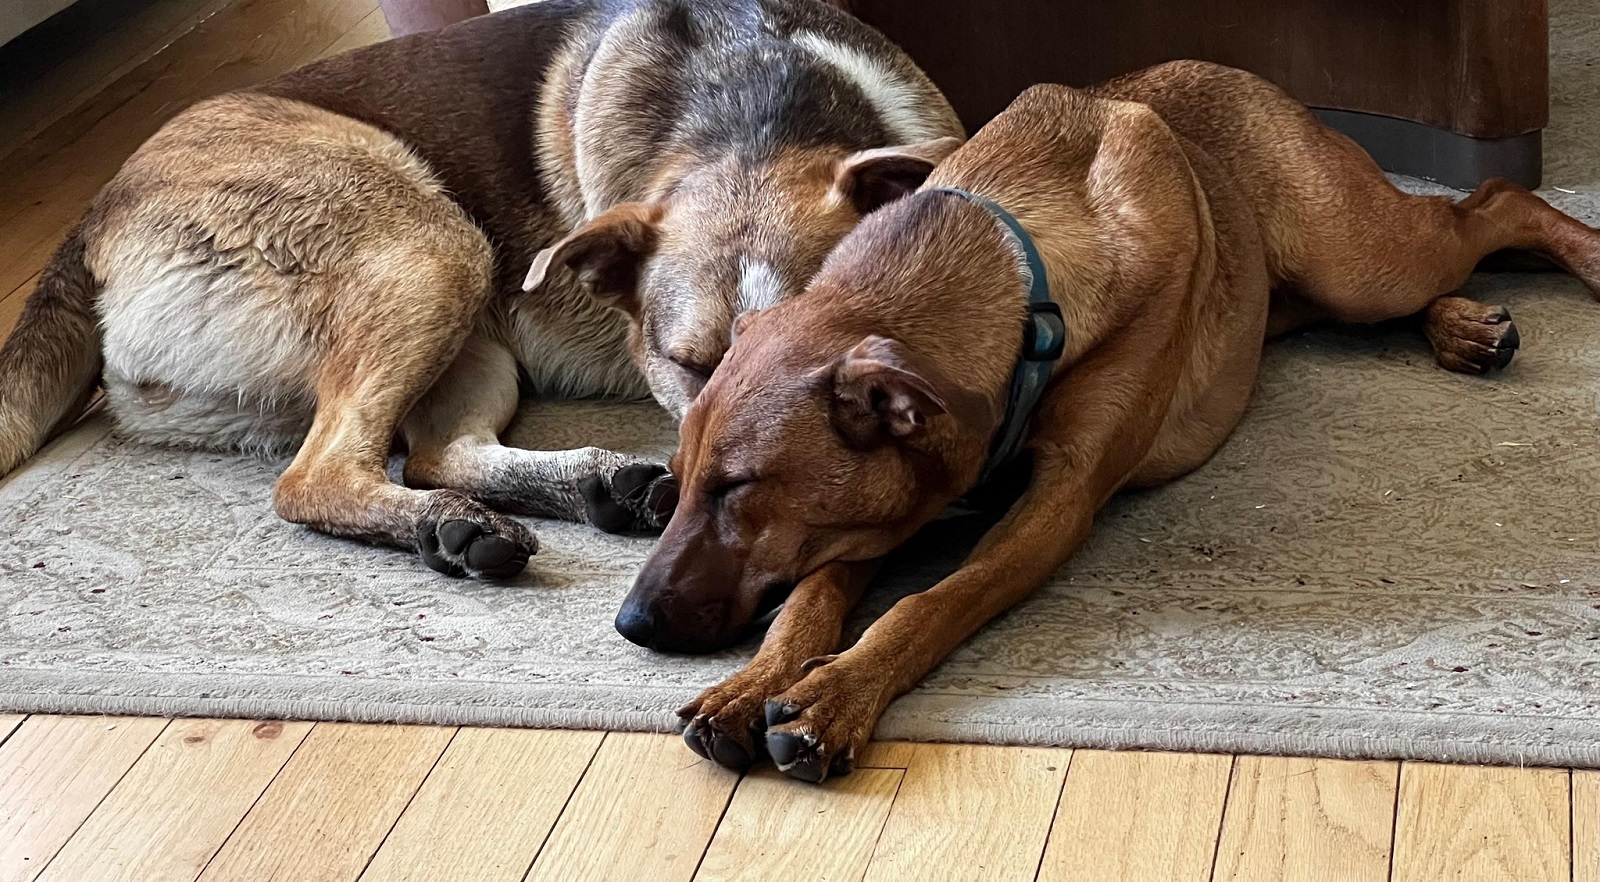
[1586, 826]
[329, 809]
[9, 724]
[372, 29]
[1484, 824]
[885, 755]
[1291, 818]
[179, 802]
[970, 812]
[118, 39]
[54, 771]
[11, 305]
[645, 809]
[486, 807]
[241, 45]
[776, 828]
[1137, 816]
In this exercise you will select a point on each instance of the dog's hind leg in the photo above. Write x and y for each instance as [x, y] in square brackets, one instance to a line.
[381, 364]
[1424, 248]
[453, 440]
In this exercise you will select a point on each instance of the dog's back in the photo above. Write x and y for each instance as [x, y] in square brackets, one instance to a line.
[1273, 149]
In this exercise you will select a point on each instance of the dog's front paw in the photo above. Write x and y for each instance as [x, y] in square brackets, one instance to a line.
[638, 497]
[816, 727]
[727, 724]
[459, 537]
[1470, 337]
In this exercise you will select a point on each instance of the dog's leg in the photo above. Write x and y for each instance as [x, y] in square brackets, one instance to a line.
[376, 369]
[453, 440]
[1432, 246]
[1091, 436]
[727, 722]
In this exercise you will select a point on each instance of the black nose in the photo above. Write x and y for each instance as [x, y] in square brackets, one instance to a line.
[637, 622]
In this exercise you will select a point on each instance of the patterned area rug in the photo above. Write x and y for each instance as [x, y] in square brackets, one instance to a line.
[1387, 560]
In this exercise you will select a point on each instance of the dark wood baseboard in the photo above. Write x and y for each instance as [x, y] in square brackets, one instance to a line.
[1445, 88]
[1411, 148]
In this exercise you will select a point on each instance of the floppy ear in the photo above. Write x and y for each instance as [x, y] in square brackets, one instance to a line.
[879, 394]
[606, 253]
[871, 178]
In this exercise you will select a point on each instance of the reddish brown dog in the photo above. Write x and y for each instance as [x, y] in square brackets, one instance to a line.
[1184, 214]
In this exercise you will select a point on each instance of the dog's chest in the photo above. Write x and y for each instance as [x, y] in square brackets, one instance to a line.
[571, 347]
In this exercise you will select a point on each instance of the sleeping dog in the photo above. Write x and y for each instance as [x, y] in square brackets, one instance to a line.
[1089, 279]
[337, 259]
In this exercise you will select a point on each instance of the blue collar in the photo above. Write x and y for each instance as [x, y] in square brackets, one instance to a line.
[1044, 337]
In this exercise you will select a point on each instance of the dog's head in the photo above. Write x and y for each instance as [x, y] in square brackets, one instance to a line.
[827, 436]
[723, 238]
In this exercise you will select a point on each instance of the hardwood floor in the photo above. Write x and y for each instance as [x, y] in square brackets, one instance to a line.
[147, 799]
[150, 799]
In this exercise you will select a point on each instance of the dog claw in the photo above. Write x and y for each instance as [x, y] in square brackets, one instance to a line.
[802, 756]
[730, 753]
[1508, 346]
[786, 747]
[708, 742]
[810, 772]
[694, 735]
[778, 713]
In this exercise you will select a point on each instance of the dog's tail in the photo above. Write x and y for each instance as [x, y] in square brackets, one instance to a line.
[50, 365]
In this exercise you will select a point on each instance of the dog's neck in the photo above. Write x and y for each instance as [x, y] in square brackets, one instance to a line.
[1044, 335]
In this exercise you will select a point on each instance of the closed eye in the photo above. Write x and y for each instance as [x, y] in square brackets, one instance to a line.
[719, 492]
[697, 368]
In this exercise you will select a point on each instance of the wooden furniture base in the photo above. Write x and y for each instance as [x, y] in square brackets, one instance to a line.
[1452, 90]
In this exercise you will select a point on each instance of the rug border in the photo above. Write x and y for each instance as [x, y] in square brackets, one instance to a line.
[924, 717]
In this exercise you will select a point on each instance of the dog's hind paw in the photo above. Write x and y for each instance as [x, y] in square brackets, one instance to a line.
[1470, 337]
[465, 539]
[636, 498]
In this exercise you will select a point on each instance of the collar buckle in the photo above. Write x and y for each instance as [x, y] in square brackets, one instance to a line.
[1045, 336]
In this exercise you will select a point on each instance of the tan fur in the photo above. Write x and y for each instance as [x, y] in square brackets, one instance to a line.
[1177, 210]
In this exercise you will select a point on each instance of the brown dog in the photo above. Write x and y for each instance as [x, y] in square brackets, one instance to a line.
[1183, 214]
[341, 255]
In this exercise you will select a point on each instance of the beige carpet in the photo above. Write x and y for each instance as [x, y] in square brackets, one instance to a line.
[1386, 561]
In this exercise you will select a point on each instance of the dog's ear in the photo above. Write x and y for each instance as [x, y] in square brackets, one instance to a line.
[606, 253]
[880, 391]
[871, 178]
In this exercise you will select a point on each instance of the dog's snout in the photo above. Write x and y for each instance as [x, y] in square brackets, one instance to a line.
[639, 623]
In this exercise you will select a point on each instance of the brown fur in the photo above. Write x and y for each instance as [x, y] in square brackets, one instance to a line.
[336, 258]
[1183, 212]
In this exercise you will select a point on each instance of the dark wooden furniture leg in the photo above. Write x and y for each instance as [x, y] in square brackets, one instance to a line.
[1453, 90]
[411, 16]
